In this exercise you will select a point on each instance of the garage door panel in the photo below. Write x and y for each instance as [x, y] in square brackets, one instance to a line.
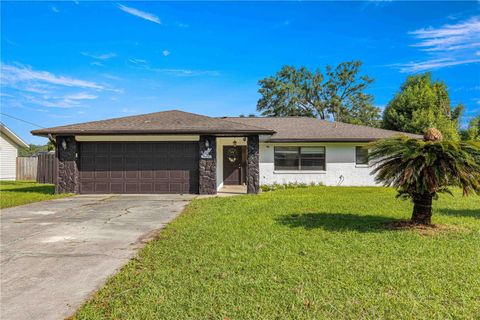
[102, 187]
[161, 175]
[161, 187]
[101, 162]
[131, 148]
[87, 175]
[132, 167]
[89, 163]
[117, 187]
[117, 148]
[87, 148]
[102, 148]
[87, 187]
[176, 175]
[131, 175]
[146, 148]
[101, 175]
[131, 187]
[146, 187]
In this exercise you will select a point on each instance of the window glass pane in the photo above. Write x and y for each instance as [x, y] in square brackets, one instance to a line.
[287, 158]
[361, 155]
[312, 158]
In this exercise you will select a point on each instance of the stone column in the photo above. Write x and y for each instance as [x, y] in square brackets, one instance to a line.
[207, 165]
[253, 168]
[67, 169]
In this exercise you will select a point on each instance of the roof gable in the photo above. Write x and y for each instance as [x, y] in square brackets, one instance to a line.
[4, 130]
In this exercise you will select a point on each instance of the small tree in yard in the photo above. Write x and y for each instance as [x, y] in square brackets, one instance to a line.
[419, 170]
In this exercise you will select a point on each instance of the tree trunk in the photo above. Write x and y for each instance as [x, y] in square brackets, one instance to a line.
[422, 209]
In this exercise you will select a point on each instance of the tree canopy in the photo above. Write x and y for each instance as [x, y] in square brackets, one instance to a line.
[34, 149]
[473, 131]
[338, 95]
[420, 104]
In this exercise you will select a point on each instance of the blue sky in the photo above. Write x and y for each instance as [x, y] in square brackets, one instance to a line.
[67, 62]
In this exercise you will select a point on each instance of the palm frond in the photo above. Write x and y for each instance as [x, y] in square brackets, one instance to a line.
[416, 167]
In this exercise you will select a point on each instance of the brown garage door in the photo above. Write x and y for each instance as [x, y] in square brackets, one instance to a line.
[138, 167]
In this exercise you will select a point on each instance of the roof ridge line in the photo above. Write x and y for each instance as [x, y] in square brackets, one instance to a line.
[253, 127]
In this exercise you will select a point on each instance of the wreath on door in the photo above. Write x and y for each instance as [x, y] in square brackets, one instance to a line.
[232, 154]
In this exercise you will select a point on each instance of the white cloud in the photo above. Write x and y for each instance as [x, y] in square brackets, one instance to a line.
[36, 89]
[141, 14]
[64, 102]
[166, 53]
[96, 63]
[45, 89]
[187, 72]
[48, 102]
[142, 64]
[138, 61]
[412, 67]
[55, 9]
[448, 45]
[80, 96]
[449, 37]
[11, 75]
[103, 56]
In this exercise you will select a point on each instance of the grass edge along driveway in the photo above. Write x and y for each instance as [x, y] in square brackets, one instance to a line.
[312, 253]
[16, 193]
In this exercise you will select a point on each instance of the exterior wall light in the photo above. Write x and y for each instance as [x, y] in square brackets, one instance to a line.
[64, 144]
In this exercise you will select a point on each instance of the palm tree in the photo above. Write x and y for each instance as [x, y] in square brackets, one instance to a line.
[419, 170]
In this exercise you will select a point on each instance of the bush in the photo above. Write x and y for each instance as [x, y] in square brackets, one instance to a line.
[290, 185]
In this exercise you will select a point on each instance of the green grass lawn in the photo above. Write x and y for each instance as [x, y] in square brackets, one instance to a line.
[15, 193]
[310, 253]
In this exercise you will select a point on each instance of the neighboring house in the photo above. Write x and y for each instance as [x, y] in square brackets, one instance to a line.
[9, 145]
[180, 152]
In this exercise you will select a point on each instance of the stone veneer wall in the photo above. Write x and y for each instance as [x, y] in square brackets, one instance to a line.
[67, 170]
[207, 165]
[253, 168]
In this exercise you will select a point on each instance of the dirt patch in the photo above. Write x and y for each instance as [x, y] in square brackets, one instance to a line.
[427, 230]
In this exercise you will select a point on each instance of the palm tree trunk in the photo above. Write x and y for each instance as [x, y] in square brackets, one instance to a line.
[422, 209]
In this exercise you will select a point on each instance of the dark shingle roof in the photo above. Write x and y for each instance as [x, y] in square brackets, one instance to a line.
[165, 122]
[179, 122]
[311, 129]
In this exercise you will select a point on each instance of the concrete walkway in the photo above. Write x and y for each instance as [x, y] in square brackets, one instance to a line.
[55, 254]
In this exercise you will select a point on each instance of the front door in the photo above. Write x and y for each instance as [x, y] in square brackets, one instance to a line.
[233, 164]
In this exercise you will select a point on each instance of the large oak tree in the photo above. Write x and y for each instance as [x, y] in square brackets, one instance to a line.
[338, 95]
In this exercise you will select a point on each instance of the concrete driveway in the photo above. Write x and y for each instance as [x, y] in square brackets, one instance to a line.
[55, 254]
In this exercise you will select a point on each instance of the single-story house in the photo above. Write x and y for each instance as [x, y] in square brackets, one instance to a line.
[9, 145]
[180, 152]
